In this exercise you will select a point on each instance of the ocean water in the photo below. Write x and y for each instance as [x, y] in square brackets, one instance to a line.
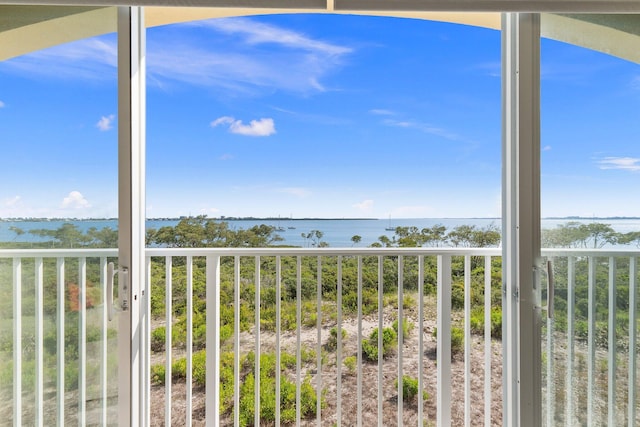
[336, 232]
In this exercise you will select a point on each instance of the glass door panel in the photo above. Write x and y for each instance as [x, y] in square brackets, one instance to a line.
[58, 216]
[590, 162]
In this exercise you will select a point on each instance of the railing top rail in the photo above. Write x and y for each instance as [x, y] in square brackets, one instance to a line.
[295, 251]
[579, 252]
[321, 251]
[56, 253]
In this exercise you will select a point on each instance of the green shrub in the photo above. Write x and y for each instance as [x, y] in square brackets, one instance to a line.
[410, 388]
[407, 327]
[350, 364]
[457, 339]
[332, 341]
[477, 321]
[370, 346]
[158, 339]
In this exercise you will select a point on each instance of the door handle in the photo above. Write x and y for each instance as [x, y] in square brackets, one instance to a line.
[550, 289]
[124, 285]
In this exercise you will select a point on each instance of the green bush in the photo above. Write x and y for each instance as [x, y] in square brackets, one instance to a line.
[410, 388]
[158, 339]
[370, 346]
[350, 364]
[332, 341]
[477, 321]
[407, 327]
[457, 339]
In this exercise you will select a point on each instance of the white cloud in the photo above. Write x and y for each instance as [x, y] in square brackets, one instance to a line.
[12, 202]
[381, 112]
[75, 200]
[365, 205]
[546, 148]
[623, 163]
[105, 123]
[2, 104]
[295, 191]
[423, 127]
[259, 33]
[243, 56]
[88, 59]
[262, 127]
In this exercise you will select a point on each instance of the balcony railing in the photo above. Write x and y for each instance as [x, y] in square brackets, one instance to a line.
[254, 336]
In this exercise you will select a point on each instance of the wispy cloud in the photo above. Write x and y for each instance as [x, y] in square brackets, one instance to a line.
[2, 104]
[262, 127]
[12, 201]
[295, 191]
[243, 55]
[365, 205]
[260, 33]
[106, 122]
[424, 127]
[635, 83]
[89, 59]
[381, 112]
[622, 163]
[75, 200]
[546, 148]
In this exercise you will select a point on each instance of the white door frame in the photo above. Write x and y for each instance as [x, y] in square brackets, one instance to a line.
[522, 402]
[131, 216]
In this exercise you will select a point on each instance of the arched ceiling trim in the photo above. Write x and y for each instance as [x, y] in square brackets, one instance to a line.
[26, 29]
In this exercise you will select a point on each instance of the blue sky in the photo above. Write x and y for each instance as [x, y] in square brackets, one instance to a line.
[314, 116]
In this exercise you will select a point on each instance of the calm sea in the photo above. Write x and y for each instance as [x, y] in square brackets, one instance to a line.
[336, 232]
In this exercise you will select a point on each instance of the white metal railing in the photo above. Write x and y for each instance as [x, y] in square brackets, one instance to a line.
[40, 394]
[603, 402]
[54, 373]
[444, 394]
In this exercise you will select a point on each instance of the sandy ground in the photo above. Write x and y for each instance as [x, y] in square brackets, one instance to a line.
[349, 408]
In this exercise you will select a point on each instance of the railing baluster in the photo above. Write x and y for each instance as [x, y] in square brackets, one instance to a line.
[611, 344]
[571, 318]
[146, 348]
[213, 342]
[189, 355]
[319, 343]
[298, 336]
[168, 344]
[591, 357]
[420, 340]
[278, 313]
[39, 272]
[339, 347]
[633, 333]
[359, 346]
[60, 313]
[236, 341]
[488, 351]
[551, 369]
[444, 341]
[400, 337]
[467, 340]
[380, 318]
[105, 336]
[82, 347]
[17, 341]
[256, 396]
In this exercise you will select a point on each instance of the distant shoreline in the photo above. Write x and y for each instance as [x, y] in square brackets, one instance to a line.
[251, 218]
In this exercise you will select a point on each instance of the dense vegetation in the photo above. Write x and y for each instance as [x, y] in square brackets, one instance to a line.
[205, 232]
